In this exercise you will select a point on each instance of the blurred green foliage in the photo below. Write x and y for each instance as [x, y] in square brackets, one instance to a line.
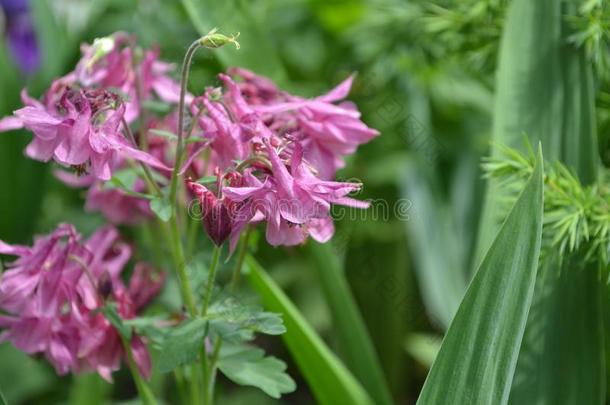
[425, 80]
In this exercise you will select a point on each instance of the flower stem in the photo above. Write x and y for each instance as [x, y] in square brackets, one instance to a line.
[144, 390]
[212, 373]
[241, 255]
[186, 67]
[150, 181]
[211, 277]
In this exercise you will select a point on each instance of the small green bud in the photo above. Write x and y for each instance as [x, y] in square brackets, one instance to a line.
[213, 39]
[101, 47]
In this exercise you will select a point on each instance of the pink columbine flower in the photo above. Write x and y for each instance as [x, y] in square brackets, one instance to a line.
[78, 128]
[327, 127]
[52, 296]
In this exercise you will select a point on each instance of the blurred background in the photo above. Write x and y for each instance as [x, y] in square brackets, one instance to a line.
[425, 80]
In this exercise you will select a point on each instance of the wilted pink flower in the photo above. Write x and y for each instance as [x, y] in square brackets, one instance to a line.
[52, 296]
[110, 63]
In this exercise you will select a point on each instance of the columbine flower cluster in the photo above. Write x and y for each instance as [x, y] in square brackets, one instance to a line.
[54, 292]
[247, 151]
[274, 155]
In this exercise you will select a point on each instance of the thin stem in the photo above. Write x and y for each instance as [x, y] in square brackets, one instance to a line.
[213, 368]
[144, 391]
[211, 277]
[180, 384]
[188, 58]
[206, 374]
[241, 255]
[142, 118]
[193, 233]
[180, 264]
[150, 181]
[195, 393]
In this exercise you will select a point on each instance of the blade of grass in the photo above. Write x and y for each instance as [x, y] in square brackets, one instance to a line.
[348, 325]
[329, 380]
[478, 356]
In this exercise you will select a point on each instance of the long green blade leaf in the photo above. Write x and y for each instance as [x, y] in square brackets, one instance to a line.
[355, 342]
[329, 380]
[545, 89]
[479, 353]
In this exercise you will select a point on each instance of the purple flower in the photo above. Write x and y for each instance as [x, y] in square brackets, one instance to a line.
[52, 296]
[20, 35]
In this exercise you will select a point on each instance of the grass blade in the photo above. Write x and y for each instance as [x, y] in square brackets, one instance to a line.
[349, 327]
[329, 380]
[478, 356]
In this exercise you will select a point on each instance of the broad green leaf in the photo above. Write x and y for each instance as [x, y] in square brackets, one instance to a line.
[246, 365]
[2, 399]
[181, 345]
[328, 379]
[257, 52]
[349, 328]
[236, 321]
[478, 356]
[162, 208]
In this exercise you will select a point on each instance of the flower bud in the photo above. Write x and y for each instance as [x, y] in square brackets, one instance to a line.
[216, 216]
[213, 39]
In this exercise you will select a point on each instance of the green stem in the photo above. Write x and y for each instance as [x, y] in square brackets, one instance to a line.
[241, 255]
[193, 233]
[211, 277]
[147, 173]
[194, 385]
[180, 384]
[180, 264]
[144, 390]
[212, 374]
[188, 58]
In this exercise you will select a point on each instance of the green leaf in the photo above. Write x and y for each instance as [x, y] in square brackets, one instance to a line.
[111, 314]
[89, 389]
[432, 229]
[349, 327]
[423, 348]
[165, 134]
[181, 345]
[124, 178]
[478, 356]
[563, 332]
[162, 208]
[235, 321]
[545, 89]
[2, 399]
[328, 379]
[247, 365]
